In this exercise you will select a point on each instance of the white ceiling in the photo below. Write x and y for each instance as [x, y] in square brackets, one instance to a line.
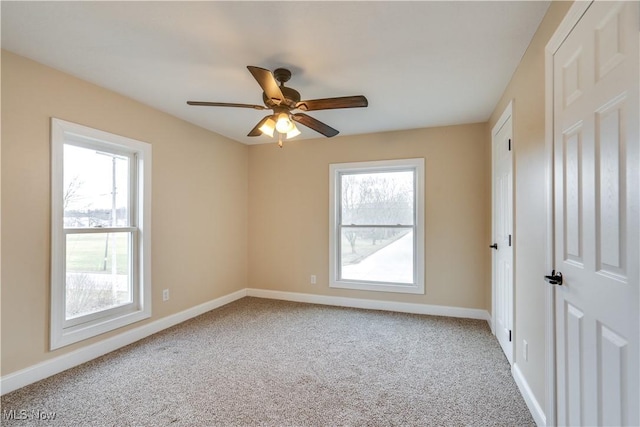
[420, 64]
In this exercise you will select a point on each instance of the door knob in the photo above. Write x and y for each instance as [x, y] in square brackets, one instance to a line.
[555, 278]
[494, 246]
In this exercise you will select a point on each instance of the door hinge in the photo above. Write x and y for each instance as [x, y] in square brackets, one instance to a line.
[509, 239]
[509, 335]
[509, 144]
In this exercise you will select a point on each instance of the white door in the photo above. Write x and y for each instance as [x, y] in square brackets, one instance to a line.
[596, 198]
[502, 233]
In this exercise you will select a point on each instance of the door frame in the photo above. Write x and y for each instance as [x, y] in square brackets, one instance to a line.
[506, 115]
[573, 16]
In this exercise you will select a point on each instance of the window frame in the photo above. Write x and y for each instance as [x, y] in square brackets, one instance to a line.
[65, 331]
[336, 171]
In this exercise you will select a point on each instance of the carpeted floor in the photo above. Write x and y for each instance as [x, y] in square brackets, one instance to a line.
[274, 363]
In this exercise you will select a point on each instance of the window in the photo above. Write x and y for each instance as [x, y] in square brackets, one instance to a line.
[101, 187]
[377, 226]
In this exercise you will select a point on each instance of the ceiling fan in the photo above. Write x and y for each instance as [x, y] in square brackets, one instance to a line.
[283, 100]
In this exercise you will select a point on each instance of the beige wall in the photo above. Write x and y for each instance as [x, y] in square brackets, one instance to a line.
[289, 211]
[526, 89]
[199, 202]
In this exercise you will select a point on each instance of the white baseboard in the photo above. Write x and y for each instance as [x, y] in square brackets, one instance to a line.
[63, 362]
[532, 403]
[403, 307]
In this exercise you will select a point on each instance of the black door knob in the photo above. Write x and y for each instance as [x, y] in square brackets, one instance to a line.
[494, 246]
[555, 278]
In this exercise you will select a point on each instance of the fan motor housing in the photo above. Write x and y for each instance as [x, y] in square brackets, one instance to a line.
[292, 97]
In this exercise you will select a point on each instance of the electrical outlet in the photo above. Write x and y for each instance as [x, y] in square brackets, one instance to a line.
[525, 350]
[313, 279]
[165, 295]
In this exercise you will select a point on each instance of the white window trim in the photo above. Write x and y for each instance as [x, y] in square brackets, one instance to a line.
[334, 202]
[62, 332]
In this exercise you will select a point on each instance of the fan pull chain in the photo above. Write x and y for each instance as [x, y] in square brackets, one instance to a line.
[279, 140]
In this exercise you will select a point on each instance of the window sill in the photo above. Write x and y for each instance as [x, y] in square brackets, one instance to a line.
[84, 331]
[379, 287]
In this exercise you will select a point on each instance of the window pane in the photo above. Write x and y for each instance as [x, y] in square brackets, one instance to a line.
[377, 254]
[96, 188]
[380, 198]
[98, 272]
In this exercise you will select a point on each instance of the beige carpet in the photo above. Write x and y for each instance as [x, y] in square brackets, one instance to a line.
[274, 363]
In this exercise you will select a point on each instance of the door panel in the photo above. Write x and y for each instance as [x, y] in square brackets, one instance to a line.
[596, 217]
[572, 155]
[573, 343]
[610, 191]
[612, 364]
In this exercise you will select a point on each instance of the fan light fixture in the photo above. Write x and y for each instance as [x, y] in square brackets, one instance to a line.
[293, 132]
[268, 127]
[283, 124]
[286, 125]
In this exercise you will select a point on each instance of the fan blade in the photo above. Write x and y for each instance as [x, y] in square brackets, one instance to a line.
[256, 130]
[314, 124]
[333, 103]
[268, 83]
[226, 104]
